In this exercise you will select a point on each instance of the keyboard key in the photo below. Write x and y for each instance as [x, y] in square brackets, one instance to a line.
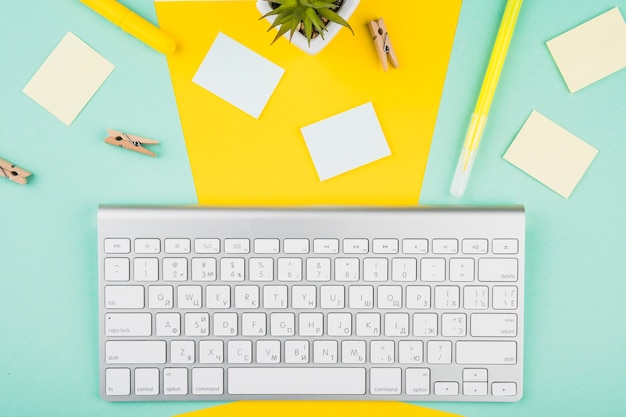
[146, 269]
[116, 245]
[355, 246]
[353, 351]
[445, 246]
[385, 381]
[504, 297]
[146, 381]
[176, 246]
[298, 381]
[207, 381]
[232, 269]
[503, 389]
[261, 269]
[410, 351]
[447, 297]
[475, 297]
[128, 324]
[239, 351]
[266, 246]
[175, 381]
[174, 269]
[486, 352]
[268, 351]
[116, 269]
[382, 351]
[461, 270]
[474, 388]
[418, 381]
[117, 381]
[289, 269]
[346, 269]
[446, 388]
[211, 351]
[182, 351]
[493, 325]
[296, 246]
[385, 246]
[375, 269]
[147, 246]
[497, 269]
[505, 246]
[160, 296]
[415, 246]
[325, 351]
[326, 246]
[236, 246]
[202, 246]
[404, 269]
[134, 352]
[167, 324]
[318, 269]
[439, 351]
[127, 296]
[203, 269]
[475, 246]
[475, 375]
[433, 269]
[418, 297]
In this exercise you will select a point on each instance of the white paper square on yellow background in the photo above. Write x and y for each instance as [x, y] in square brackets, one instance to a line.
[591, 51]
[68, 78]
[550, 154]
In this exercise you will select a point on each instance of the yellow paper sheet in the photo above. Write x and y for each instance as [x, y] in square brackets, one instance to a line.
[317, 409]
[239, 160]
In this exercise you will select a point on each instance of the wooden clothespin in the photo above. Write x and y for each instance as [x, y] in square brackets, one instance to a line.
[132, 142]
[383, 43]
[13, 172]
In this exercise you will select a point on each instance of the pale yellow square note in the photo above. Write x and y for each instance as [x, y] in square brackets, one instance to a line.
[68, 78]
[550, 154]
[591, 51]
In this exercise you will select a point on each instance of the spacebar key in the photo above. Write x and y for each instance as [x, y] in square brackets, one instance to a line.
[296, 381]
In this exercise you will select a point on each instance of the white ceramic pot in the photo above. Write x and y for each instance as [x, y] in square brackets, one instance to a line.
[317, 44]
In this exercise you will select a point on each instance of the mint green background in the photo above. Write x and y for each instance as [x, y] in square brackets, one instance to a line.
[575, 272]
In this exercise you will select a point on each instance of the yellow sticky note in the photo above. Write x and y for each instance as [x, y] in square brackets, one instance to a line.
[68, 78]
[591, 51]
[317, 409]
[239, 160]
[550, 154]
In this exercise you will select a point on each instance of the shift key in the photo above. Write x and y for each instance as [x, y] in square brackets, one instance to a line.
[119, 352]
[486, 353]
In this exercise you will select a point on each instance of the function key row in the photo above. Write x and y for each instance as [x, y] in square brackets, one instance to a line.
[319, 246]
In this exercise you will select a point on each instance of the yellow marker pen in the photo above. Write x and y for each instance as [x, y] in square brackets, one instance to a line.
[132, 23]
[487, 91]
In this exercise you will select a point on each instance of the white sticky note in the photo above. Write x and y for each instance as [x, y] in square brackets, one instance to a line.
[550, 154]
[68, 78]
[238, 75]
[345, 141]
[591, 51]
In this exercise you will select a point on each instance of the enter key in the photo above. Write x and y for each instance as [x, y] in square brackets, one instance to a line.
[493, 325]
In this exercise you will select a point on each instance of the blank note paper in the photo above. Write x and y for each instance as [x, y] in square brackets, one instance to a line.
[346, 141]
[550, 154]
[68, 78]
[238, 75]
[591, 51]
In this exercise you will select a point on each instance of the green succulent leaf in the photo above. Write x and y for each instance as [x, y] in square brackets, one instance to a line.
[290, 14]
[334, 17]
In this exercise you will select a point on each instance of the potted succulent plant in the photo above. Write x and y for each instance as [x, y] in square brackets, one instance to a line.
[308, 24]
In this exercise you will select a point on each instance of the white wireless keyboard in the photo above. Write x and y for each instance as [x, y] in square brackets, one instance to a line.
[375, 304]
